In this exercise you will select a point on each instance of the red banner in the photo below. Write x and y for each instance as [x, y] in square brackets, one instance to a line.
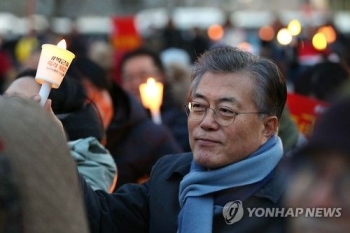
[304, 111]
[125, 37]
[125, 34]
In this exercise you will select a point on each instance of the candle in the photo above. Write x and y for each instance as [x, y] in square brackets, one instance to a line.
[53, 64]
[152, 97]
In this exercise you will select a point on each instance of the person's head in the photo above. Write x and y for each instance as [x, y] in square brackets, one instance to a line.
[179, 78]
[233, 82]
[321, 80]
[320, 173]
[46, 181]
[102, 53]
[137, 66]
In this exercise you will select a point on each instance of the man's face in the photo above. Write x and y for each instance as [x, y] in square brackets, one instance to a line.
[24, 86]
[137, 70]
[213, 145]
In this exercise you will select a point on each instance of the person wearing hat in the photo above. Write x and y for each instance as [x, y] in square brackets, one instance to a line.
[82, 125]
[320, 174]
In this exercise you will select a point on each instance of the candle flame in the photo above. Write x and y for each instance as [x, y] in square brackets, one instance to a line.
[151, 82]
[151, 94]
[62, 44]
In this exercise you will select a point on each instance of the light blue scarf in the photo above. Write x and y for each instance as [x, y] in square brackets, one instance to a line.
[197, 204]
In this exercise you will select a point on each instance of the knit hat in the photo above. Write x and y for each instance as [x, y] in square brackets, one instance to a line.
[48, 185]
[82, 123]
[332, 129]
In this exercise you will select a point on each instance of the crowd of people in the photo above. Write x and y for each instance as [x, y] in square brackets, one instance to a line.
[92, 160]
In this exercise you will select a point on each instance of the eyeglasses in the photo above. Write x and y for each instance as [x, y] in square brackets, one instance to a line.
[223, 116]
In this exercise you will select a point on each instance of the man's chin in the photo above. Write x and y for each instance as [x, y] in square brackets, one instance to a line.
[207, 160]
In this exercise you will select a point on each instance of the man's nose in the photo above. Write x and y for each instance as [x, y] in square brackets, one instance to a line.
[209, 118]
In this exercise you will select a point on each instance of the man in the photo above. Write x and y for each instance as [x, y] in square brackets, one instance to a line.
[136, 67]
[235, 103]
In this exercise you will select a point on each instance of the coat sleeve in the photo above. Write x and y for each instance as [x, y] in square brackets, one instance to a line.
[123, 211]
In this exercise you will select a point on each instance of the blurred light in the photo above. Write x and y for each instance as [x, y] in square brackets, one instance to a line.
[319, 41]
[245, 46]
[329, 33]
[215, 32]
[284, 37]
[266, 33]
[294, 27]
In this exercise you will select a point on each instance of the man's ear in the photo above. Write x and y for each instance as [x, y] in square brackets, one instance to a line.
[270, 126]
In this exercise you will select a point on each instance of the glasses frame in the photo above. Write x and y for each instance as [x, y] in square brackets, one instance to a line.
[216, 114]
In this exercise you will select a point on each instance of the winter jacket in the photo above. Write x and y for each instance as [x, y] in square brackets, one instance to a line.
[94, 162]
[134, 140]
[154, 206]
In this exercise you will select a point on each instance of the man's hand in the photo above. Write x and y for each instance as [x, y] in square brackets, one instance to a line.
[48, 109]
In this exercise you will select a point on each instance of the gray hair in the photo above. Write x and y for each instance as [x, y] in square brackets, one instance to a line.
[270, 91]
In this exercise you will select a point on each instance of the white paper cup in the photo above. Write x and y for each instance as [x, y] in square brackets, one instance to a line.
[53, 64]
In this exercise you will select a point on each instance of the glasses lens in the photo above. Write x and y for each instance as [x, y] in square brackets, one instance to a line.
[197, 112]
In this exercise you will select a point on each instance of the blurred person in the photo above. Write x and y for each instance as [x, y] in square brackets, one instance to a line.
[199, 43]
[234, 105]
[40, 176]
[171, 36]
[321, 81]
[82, 126]
[26, 45]
[233, 35]
[289, 133]
[77, 43]
[319, 174]
[134, 141]
[102, 52]
[178, 78]
[136, 67]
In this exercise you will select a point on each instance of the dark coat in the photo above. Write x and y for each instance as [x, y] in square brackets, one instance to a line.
[154, 207]
[134, 141]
